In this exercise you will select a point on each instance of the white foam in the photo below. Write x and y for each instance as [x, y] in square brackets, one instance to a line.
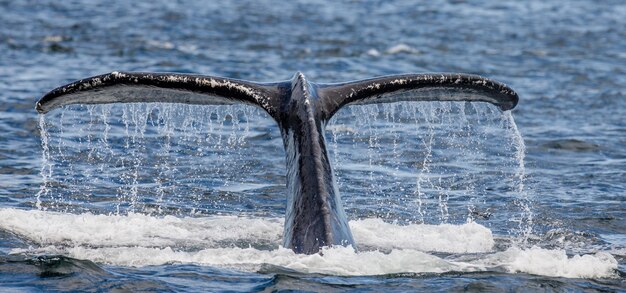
[143, 230]
[373, 52]
[136, 229]
[554, 263]
[335, 261]
[466, 238]
[140, 240]
[401, 48]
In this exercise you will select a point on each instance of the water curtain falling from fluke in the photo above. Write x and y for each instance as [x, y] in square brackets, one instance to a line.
[314, 215]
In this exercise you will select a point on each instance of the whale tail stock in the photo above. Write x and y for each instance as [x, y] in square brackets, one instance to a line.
[314, 214]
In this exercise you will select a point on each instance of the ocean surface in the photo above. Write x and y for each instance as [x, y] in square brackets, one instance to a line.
[441, 196]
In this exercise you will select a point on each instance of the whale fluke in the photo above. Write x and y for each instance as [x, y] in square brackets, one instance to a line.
[417, 87]
[314, 215]
[137, 87]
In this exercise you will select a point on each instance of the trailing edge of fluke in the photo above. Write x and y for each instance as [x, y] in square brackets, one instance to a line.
[314, 215]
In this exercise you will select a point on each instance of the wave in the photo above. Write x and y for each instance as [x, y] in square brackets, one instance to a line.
[250, 243]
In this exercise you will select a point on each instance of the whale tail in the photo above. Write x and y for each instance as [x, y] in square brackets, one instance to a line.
[314, 214]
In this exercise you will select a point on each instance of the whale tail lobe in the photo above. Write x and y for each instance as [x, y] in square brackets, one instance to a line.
[138, 87]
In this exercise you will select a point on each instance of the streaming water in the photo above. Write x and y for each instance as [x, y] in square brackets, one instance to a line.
[421, 177]
[419, 156]
[438, 151]
[151, 158]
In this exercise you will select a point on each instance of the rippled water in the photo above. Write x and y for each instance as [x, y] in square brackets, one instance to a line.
[440, 196]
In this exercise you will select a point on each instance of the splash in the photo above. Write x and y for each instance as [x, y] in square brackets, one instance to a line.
[448, 162]
[172, 181]
[525, 220]
[434, 163]
[118, 157]
[46, 165]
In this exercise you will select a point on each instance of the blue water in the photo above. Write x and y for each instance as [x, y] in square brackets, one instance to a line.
[159, 197]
